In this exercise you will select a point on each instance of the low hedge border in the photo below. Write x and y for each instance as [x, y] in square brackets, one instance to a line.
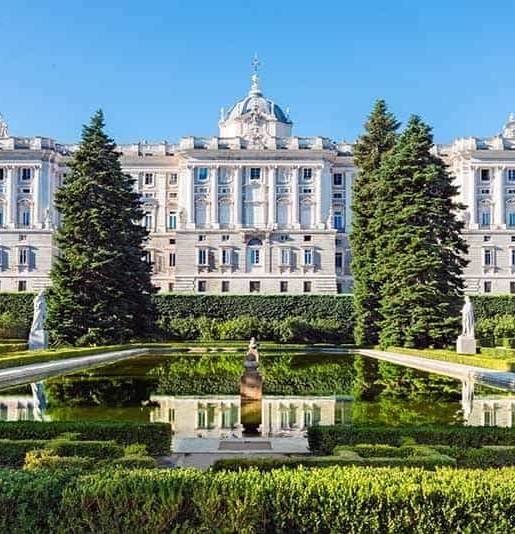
[324, 439]
[156, 437]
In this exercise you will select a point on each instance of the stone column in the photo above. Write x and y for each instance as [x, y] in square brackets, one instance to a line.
[294, 173]
[472, 198]
[189, 197]
[213, 184]
[319, 223]
[36, 198]
[271, 196]
[498, 197]
[10, 198]
[236, 214]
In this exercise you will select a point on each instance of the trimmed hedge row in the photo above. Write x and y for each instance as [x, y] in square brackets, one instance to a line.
[324, 439]
[329, 500]
[155, 436]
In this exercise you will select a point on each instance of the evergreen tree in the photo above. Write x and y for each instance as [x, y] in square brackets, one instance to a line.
[101, 290]
[379, 138]
[421, 254]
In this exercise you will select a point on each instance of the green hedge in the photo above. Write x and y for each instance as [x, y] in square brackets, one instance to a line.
[155, 436]
[329, 500]
[324, 439]
[13, 452]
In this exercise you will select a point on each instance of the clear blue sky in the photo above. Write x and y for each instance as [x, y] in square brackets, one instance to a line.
[161, 69]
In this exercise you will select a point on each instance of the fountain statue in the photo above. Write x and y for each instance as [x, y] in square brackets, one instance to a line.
[251, 385]
[38, 336]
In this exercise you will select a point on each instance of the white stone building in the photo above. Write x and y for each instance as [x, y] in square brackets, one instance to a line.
[254, 209]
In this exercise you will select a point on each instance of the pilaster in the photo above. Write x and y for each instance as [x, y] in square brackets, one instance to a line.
[499, 218]
[294, 173]
[272, 171]
[213, 184]
[236, 216]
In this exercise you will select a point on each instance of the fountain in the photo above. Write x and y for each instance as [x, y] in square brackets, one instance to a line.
[251, 390]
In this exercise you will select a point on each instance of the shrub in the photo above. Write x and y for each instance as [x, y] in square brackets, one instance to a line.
[134, 461]
[87, 449]
[12, 452]
[46, 459]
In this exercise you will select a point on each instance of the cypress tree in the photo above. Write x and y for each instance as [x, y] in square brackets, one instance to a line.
[379, 138]
[101, 289]
[421, 251]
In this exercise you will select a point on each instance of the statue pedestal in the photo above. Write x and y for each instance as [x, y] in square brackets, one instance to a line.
[466, 345]
[38, 339]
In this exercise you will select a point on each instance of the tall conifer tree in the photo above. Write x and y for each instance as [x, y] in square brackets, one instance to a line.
[101, 290]
[379, 138]
[420, 248]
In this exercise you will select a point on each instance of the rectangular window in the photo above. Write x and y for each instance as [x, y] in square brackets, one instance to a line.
[22, 285]
[202, 286]
[338, 220]
[307, 174]
[511, 218]
[2, 175]
[485, 218]
[487, 257]
[283, 238]
[202, 174]
[172, 258]
[510, 191]
[225, 286]
[172, 220]
[485, 191]
[512, 287]
[307, 287]
[202, 256]
[225, 237]
[285, 256]
[307, 238]
[255, 256]
[338, 178]
[511, 175]
[226, 256]
[308, 256]
[254, 287]
[173, 179]
[23, 256]
[487, 287]
[1, 217]
[255, 173]
[25, 217]
[339, 287]
[26, 173]
[485, 175]
[486, 238]
[338, 260]
[148, 220]
[148, 179]
[170, 286]
[283, 287]
[202, 237]
[307, 190]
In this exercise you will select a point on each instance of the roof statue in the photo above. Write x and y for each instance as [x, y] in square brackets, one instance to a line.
[3, 127]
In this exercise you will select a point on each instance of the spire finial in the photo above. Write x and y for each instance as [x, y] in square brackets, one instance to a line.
[255, 89]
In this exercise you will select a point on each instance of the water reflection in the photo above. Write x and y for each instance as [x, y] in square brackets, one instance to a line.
[492, 411]
[24, 407]
[227, 416]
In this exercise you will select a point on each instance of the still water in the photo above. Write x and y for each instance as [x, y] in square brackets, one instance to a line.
[199, 395]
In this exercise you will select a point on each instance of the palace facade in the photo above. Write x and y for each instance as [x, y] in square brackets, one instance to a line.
[254, 209]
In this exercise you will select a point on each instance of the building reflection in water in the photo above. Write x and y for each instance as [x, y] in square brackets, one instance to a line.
[24, 407]
[220, 417]
[491, 411]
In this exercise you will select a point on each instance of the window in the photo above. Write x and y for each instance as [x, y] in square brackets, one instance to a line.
[489, 416]
[149, 220]
[307, 174]
[147, 257]
[488, 257]
[307, 287]
[485, 218]
[283, 287]
[254, 287]
[202, 256]
[202, 286]
[338, 178]
[485, 191]
[337, 196]
[26, 173]
[512, 287]
[23, 256]
[339, 287]
[22, 285]
[307, 190]
[1, 174]
[512, 238]
[172, 258]
[255, 256]
[172, 220]
[148, 179]
[226, 256]
[224, 214]
[1, 216]
[202, 174]
[487, 287]
[225, 286]
[485, 175]
[307, 238]
[306, 215]
[285, 256]
[486, 238]
[25, 217]
[173, 179]
[510, 191]
[338, 220]
[511, 175]
[338, 260]
[170, 286]
[172, 195]
[202, 237]
[284, 237]
[308, 256]
[255, 173]
[511, 218]
[225, 237]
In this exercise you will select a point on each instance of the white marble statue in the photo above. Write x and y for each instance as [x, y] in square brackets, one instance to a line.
[38, 337]
[467, 318]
